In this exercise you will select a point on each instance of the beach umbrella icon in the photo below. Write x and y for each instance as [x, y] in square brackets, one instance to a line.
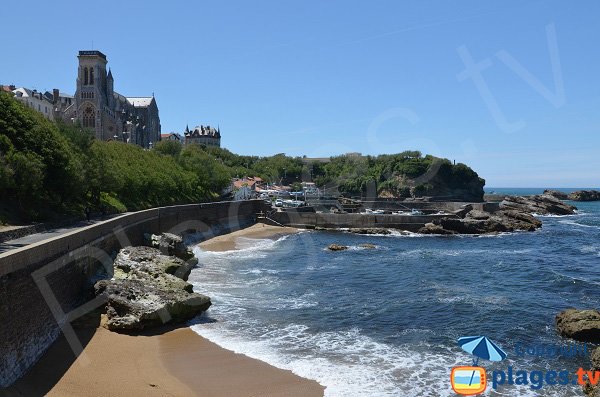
[481, 347]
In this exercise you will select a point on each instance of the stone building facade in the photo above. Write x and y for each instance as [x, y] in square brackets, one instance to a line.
[109, 114]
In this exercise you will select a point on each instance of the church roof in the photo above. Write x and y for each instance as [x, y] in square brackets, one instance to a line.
[140, 102]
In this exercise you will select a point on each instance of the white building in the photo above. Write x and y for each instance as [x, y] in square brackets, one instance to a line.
[36, 100]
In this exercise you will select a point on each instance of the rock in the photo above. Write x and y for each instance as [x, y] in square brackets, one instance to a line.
[558, 194]
[132, 262]
[149, 289]
[481, 222]
[367, 246]
[595, 359]
[581, 325]
[585, 195]
[478, 215]
[432, 228]
[370, 230]
[171, 244]
[463, 211]
[543, 204]
[337, 247]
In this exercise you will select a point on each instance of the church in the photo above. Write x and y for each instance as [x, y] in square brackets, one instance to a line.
[109, 114]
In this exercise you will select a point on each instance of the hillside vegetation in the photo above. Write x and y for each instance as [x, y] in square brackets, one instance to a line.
[49, 170]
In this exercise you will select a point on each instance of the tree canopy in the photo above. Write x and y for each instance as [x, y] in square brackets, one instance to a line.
[49, 168]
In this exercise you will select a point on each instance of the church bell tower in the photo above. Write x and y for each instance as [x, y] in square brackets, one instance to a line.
[91, 94]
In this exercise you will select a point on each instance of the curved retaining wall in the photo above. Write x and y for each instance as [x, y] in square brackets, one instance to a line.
[44, 286]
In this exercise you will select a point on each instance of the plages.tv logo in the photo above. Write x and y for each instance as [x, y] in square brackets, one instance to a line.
[472, 379]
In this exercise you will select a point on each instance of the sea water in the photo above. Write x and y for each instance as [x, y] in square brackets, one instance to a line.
[385, 321]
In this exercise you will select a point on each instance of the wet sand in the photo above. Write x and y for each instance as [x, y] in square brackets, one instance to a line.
[177, 362]
[228, 242]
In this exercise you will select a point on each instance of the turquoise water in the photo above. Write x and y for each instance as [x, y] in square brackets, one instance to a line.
[385, 322]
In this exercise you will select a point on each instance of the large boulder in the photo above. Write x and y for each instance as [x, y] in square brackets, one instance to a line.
[337, 247]
[581, 325]
[585, 195]
[149, 289]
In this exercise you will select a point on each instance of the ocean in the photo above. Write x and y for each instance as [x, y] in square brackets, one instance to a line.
[385, 321]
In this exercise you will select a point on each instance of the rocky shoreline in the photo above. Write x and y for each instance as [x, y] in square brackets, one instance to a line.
[515, 213]
[580, 195]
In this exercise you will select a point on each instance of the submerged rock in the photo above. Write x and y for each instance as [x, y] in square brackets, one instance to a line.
[368, 246]
[581, 325]
[337, 247]
[149, 289]
[585, 195]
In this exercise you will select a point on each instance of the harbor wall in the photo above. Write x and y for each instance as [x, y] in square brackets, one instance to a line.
[44, 285]
[310, 220]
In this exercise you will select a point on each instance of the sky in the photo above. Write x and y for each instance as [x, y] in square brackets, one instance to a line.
[510, 88]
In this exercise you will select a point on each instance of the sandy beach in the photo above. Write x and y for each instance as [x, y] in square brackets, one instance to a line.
[165, 362]
[228, 242]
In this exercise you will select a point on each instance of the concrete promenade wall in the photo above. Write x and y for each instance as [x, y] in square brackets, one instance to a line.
[429, 205]
[43, 285]
[309, 220]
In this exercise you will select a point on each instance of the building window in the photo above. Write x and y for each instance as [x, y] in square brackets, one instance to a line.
[85, 76]
[91, 76]
[89, 118]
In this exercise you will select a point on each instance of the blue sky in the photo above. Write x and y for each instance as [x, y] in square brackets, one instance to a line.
[328, 77]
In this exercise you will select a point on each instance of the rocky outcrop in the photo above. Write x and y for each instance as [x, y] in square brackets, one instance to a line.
[480, 222]
[337, 247]
[149, 289]
[541, 204]
[558, 194]
[581, 325]
[585, 195]
[584, 326]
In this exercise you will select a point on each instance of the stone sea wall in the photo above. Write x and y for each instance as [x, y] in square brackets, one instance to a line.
[43, 285]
